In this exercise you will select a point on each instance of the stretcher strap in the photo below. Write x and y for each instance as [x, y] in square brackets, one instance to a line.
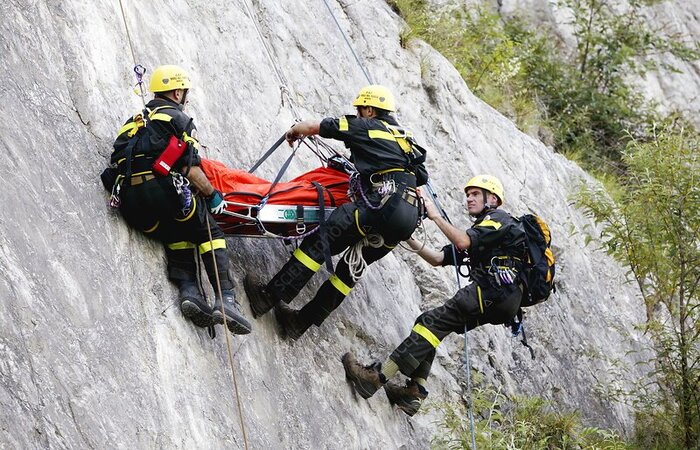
[322, 226]
[267, 154]
[284, 168]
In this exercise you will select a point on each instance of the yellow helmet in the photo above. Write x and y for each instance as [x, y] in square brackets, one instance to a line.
[490, 183]
[377, 96]
[169, 78]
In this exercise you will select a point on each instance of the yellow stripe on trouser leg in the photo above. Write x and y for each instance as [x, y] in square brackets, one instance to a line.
[338, 284]
[213, 245]
[182, 245]
[426, 334]
[306, 260]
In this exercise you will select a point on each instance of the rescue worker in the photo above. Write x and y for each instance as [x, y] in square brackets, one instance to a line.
[495, 248]
[163, 206]
[385, 205]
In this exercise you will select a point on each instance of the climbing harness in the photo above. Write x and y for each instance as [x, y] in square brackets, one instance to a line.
[504, 270]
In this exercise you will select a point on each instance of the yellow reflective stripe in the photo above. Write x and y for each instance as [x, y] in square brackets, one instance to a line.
[153, 228]
[190, 140]
[128, 127]
[338, 284]
[306, 260]
[182, 245]
[400, 137]
[357, 223]
[379, 134]
[382, 172]
[426, 334]
[405, 146]
[481, 301]
[215, 245]
[161, 116]
[140, 155]
[489, 223]
[189, 216]
[343, 124]
[148, 172]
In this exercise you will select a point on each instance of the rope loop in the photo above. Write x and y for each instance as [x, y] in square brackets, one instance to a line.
[353, 255]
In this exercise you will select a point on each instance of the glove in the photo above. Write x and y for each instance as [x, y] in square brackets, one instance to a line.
[216, 202]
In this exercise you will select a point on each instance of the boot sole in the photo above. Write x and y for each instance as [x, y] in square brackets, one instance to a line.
[407, 407]
[193, 312]
[410, 407]
[234, 325]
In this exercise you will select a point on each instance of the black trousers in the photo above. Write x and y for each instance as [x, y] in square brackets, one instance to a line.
[154, 207]
[471, 306]
[346, 226]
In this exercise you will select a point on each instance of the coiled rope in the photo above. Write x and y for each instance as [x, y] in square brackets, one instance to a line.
[353, 255]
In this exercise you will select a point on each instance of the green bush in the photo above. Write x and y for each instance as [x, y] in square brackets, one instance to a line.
[519, 423]
[581, 98]
[652, 224]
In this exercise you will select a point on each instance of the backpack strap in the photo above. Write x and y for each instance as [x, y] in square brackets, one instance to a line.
[517, 327]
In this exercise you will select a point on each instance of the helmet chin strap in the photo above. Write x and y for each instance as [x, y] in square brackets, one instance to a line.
[184, 96]
[487, 205]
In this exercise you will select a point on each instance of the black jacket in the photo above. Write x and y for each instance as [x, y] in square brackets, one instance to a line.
[372, 146]
[151, 140]
[494, 234]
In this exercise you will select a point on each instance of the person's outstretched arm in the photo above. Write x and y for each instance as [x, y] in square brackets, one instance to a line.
[432, 256]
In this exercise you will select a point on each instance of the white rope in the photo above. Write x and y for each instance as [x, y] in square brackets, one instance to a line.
[353, 255]
[285, 92]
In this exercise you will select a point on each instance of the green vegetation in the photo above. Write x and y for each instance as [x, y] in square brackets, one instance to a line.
[519, 423]
[653, 225]
[578, 100]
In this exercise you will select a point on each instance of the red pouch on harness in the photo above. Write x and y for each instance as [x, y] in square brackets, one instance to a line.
[172, 153]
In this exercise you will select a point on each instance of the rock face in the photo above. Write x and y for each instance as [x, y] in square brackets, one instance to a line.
[94, 351]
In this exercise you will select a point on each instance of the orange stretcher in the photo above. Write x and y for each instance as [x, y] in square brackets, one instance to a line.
[289, 210]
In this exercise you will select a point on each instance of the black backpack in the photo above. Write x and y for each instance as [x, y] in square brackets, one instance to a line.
[539, 270]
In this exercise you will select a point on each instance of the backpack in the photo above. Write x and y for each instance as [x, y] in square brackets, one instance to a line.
[539, 270]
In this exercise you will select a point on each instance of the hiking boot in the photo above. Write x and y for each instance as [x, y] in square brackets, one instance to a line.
[193, 305]
[260, 300]
[236, 323]
[292, 324]
[407, 398]
[365, 379]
